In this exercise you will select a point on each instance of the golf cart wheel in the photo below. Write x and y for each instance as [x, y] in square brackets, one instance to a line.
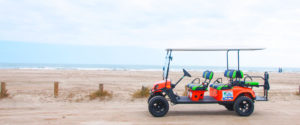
[229, 107]
[158, 106]
[149, 98]
[243, 106]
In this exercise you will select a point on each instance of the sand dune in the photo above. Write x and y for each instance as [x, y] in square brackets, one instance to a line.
[31, 99]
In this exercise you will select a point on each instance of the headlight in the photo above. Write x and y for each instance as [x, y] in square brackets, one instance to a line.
[156, 86]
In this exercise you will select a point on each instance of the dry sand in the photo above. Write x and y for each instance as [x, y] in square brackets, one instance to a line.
[31, 100]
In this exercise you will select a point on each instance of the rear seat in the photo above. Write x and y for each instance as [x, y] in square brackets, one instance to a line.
[231, 74]
[246, 83]
[207, 75]
[216, 85]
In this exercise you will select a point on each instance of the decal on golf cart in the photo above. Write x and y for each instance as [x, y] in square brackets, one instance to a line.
[227, 95]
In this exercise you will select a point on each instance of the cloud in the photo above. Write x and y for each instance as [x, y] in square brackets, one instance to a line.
[152, 23]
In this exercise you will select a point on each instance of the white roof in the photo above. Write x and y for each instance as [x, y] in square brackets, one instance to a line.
[214, 49]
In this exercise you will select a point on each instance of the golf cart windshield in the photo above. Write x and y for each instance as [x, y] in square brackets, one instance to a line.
[167, 64]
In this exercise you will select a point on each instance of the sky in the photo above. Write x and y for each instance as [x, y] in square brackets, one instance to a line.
[148, 27]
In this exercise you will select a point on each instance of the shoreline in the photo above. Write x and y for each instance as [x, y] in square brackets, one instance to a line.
[119, 67]
[141, 70]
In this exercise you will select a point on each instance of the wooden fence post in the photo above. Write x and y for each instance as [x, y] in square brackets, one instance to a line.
[56, 89]
[101, 88]
[3, 89]
[143, 88]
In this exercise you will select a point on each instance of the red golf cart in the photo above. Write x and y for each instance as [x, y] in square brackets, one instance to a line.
[236, 94]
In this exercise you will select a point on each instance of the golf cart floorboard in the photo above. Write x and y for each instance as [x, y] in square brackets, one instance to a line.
[261, 98]
[186, 100]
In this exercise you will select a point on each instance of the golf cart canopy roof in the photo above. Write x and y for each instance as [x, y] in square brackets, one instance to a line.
[214, 49]
[169, 51]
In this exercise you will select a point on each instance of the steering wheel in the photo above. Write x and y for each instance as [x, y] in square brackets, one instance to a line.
[185, 73]
[195, 80]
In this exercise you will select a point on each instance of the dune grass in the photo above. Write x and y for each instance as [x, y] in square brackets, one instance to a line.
[4, 94]
[101, 95]
[141, 93]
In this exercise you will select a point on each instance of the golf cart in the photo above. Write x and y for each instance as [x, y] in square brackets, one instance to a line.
[236, 95]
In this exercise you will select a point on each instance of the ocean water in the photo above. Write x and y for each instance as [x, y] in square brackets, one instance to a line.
[134, 67]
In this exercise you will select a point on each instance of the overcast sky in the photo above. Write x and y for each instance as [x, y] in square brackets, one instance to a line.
[159, 24]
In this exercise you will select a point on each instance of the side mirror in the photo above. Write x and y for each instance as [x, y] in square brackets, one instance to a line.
[185, 73]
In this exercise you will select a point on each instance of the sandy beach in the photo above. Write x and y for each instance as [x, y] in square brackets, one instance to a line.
[31, 99]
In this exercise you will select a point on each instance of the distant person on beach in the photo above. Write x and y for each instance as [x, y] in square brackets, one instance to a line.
[280, 70]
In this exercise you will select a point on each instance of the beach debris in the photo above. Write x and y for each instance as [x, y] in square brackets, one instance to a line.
[71, 95]
[56, 89]
[3, 90]
[100, 93]
[141, 93]
[185, 91]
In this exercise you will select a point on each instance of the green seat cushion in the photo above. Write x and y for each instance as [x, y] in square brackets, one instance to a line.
[252, 83]
[189, 85]
[198, 87]
[216, 85]
[223, 87]
[220, 86]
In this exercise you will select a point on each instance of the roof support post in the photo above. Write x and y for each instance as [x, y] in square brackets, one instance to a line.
[227, 58]
[238, 59]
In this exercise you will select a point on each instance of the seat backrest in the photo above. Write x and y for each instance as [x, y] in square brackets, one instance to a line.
[208, 75]
[226, 73]
[234, 74]
[240, 74]
[230, 73]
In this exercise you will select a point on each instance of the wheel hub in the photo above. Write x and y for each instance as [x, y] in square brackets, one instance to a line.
[244, 106]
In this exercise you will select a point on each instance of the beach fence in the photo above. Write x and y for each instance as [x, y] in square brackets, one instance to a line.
[56, 89]
[101, 88]
[3, 89]
[101, 92]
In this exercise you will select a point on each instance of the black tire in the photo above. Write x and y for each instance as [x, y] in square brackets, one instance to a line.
[158, 106]
[150, 97]
[229, 107]
[153, 95]
[243, 106]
